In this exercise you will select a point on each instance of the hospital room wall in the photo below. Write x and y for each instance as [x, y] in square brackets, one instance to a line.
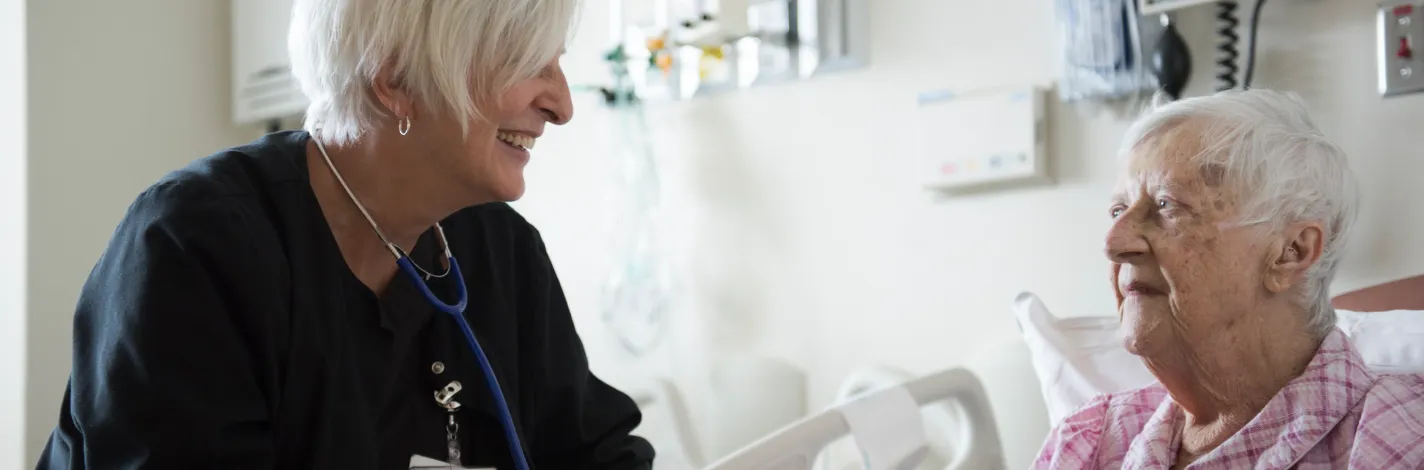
[803, 241]
[808, 238]
[119, 94]
[12, 232]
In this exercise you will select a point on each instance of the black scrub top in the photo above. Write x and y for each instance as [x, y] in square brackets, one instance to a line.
[221, 328]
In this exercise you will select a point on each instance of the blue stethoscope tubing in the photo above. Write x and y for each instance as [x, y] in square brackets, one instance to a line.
[457, 310]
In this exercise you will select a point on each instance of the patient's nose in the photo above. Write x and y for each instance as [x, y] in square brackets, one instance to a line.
[1125, 243]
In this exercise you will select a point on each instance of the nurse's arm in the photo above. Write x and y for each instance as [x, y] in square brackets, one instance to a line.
[165, 374]
[579, 422]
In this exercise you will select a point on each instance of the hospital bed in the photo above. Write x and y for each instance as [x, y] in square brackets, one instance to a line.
[894, 439]
[685, 448]
[887, 425]
[1402, 294]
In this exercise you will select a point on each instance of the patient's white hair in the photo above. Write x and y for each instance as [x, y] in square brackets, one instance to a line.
[1269, 153]
[440, 50]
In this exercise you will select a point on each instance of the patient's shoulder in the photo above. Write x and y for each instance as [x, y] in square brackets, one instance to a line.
[1135, 405]
[1101, 430]
[1141, 400]
[1127, 412]
[1395, 398]
[1391, 424]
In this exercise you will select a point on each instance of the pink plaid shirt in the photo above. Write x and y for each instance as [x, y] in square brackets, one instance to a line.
[1335, 415]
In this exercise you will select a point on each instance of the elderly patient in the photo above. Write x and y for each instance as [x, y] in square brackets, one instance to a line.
[1229, 222]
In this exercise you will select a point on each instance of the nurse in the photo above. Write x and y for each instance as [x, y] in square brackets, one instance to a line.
[249, 311]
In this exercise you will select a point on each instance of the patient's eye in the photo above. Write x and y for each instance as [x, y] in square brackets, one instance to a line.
[1116, 210]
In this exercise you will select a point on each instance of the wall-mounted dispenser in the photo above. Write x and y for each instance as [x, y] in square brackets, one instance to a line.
[841, 39]
[804, 38]
[688, 48]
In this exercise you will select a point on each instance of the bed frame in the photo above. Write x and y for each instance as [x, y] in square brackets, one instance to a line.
[1402, 294]
[796, 446]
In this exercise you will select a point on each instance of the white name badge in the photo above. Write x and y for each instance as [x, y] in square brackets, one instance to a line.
[423, 462]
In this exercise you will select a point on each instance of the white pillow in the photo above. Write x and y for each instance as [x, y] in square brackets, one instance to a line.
[1079, 358]
[1390, 342]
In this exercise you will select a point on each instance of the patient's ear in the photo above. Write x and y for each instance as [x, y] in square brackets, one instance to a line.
[1293, 256]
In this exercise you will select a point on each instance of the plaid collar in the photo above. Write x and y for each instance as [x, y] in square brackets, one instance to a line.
[1292, 423]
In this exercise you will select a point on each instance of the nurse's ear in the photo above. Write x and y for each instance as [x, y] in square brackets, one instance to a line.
[392, 93]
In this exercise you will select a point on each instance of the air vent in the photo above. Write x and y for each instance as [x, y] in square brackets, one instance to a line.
[270, 93]
[263, 87]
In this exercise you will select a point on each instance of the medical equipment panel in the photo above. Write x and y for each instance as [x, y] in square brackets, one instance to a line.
[980, 140]
[1401, 70]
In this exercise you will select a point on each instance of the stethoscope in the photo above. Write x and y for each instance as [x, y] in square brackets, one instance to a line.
[457, 310]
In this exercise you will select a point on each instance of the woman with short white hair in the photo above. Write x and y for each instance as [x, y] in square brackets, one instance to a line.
[357, 294]
[1230, 219]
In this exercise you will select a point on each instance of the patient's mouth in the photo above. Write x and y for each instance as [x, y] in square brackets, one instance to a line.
[1140, 288]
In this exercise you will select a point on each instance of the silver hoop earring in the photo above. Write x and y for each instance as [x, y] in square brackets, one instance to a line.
[403, 125]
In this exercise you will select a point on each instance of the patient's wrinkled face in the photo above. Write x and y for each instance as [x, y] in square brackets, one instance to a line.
[1181, 270]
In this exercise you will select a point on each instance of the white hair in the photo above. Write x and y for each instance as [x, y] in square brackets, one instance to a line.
[1270, 154]
[439, 50]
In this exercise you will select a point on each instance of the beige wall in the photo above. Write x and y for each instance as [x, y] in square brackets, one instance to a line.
[12, 232]
[120, 93]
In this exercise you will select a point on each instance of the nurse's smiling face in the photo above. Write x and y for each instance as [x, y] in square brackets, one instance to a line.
[489, 158]
[1183, 271]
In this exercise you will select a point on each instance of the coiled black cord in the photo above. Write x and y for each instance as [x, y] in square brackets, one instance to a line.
[1226, 59]
[1251, 56]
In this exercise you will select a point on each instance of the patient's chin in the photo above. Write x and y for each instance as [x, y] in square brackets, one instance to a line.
[1149, 341]
[1135, 345]
[1136, 332]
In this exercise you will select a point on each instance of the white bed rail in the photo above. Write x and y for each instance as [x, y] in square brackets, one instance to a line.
[796, 446]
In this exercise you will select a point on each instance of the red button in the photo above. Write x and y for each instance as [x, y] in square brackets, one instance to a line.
[1403, 10]
[1404, 52]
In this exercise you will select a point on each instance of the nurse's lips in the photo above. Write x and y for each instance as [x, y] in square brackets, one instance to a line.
[519, 140]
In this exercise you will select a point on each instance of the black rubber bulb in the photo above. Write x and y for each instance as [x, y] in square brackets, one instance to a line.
[1172, 62]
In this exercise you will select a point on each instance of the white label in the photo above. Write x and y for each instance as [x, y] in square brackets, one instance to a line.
[423, 462]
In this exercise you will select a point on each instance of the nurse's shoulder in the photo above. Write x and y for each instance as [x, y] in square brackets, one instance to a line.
[244, 175]
[223, 202]
[178, 327]
[206, 226]
[217, 215]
